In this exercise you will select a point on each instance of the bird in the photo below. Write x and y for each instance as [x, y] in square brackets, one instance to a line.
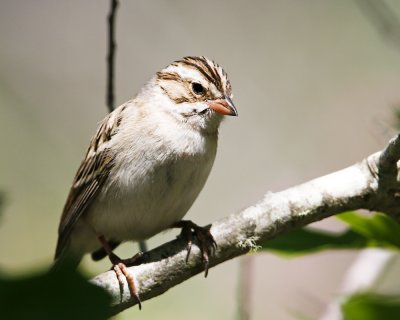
[146, 165]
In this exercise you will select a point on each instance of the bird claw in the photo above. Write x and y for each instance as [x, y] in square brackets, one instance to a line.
[121, 271]
[206, 242]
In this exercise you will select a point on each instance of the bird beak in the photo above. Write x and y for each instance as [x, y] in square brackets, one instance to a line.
[223, 106]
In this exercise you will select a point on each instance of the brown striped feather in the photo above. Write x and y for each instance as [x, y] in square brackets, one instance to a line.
[91, 175]
[207, 68]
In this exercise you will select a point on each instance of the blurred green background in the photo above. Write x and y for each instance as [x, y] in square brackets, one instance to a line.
[315, 83]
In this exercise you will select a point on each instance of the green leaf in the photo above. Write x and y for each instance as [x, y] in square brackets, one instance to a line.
[378, 230]
[308, 240]
[378, 227]
[369, 306]
[62, 294]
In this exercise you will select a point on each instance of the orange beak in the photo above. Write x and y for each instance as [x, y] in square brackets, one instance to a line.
[223, 106]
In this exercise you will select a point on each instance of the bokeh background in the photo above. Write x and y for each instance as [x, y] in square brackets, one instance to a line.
[315, 82]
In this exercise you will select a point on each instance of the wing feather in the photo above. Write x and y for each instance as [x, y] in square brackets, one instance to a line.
[89, 179]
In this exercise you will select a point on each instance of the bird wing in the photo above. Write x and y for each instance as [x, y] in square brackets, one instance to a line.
[91, 176]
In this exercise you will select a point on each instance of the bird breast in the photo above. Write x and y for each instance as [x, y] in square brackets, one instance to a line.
[154, 183]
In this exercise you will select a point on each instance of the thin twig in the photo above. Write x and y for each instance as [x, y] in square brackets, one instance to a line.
[110, 55]
[389, 158]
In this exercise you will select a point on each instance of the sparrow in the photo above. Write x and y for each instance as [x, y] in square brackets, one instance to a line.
[146, 165]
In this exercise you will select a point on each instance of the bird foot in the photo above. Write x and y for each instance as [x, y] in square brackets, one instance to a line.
[120, 267]
[121, 271]
[204, 237]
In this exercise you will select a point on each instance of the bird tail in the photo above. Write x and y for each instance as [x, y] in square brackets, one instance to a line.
[65, 259]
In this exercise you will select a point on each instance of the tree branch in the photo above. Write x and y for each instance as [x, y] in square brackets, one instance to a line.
[371, 184]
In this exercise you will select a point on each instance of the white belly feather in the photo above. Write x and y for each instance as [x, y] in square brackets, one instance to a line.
[148, 194]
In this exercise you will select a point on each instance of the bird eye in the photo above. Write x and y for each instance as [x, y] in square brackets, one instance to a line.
[197, 88]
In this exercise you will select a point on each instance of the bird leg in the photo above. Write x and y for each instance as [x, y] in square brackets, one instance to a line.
[204, 237]
[121, 270]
